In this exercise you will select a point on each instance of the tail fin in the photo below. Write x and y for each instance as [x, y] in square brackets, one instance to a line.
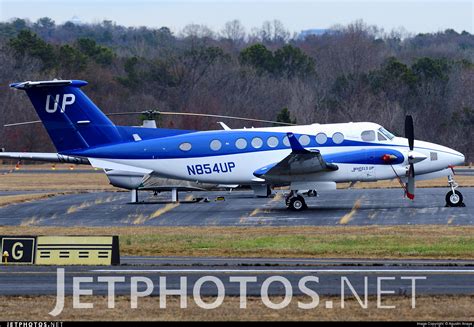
[72, 120]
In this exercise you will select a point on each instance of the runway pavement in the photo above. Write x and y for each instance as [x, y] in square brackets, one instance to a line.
[434, 277]
[241, 208]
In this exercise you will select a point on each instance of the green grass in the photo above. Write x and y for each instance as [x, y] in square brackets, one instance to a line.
[334, 245]
[437, 242]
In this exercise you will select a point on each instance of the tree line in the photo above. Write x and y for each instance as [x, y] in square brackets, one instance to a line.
[348, 73]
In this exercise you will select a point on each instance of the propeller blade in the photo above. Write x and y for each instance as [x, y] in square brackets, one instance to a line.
[126, 113]
[171, 113]
[409, 131]
[150, 113]
[22, 123]
[410, 186]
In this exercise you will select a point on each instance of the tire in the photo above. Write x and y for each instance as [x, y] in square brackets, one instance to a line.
[312, 193]
[454, 200]
[297, 203]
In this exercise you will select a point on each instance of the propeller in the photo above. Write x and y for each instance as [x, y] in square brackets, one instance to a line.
[150, 114]
[22, 123]
[412, 158]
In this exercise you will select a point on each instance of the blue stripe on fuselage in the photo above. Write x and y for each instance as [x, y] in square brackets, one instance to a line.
[168, 147]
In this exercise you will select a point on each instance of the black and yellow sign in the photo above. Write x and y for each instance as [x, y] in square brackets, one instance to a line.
[18, 249]
[62, 250]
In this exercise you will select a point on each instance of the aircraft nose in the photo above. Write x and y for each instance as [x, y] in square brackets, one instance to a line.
[462, 159]
[457, 158]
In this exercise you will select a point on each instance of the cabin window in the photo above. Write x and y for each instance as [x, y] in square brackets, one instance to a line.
[186, 146]
[272, 142]
[433, 156]
[321, 138]
[286, 141]
[304, 140]
[241, 143]
[216, 145]
[257, 142]
[338, 138]
[368, 136]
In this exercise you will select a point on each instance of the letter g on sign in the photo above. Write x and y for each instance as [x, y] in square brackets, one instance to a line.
[17, 253]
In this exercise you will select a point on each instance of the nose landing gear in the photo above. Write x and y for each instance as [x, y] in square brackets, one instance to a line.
[454, 198]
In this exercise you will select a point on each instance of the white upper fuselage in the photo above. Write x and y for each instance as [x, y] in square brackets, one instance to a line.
[232, 156]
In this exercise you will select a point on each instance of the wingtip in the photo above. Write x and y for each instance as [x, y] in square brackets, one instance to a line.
[295, 144]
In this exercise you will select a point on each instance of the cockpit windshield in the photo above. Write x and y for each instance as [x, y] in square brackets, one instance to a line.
[386, 133]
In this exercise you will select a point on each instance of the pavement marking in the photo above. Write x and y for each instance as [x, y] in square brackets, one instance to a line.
[250, 271]
[294, 271]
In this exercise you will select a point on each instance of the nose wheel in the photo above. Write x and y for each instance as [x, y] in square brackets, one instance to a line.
[295, 201]
[454, 198]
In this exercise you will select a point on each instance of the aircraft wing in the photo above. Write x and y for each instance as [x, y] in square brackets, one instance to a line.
[299, 162]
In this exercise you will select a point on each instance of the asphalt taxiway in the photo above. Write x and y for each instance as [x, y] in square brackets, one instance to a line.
[433, 277]
[241, 208]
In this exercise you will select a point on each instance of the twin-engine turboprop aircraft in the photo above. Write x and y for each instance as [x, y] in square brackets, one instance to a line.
[307, 157]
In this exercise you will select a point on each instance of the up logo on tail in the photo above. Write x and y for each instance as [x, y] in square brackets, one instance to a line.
[67, 100]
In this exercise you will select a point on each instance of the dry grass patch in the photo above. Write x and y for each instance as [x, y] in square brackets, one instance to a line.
[69, 181]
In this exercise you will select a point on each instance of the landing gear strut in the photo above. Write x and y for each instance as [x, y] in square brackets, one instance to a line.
[454, 198]
[295, 201]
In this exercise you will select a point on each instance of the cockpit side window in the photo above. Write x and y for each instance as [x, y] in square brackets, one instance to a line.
[368, 136]
[386, 133]
[380, 137]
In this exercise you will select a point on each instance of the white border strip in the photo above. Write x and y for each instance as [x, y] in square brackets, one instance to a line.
[471, 271]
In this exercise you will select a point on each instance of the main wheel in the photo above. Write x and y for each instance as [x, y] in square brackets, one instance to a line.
[454, 199]
[297, 203]
[312, 193]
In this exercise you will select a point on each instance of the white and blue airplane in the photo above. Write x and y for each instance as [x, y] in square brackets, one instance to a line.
[307, 157]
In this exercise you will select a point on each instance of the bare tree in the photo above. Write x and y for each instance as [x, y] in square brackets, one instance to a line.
[234, 31]
[272, 32]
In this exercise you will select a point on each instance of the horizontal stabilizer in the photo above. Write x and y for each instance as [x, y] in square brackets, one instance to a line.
[44, 156]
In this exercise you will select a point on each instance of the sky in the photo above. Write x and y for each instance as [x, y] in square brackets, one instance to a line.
[414, 16]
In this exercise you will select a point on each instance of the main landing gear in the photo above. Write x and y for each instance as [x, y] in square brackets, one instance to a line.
[295, 201]
[454, 197]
